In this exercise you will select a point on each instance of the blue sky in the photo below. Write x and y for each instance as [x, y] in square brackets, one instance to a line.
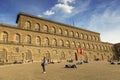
[101, 16]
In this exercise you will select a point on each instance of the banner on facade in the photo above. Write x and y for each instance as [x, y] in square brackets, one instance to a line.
[82, 51]
[78, 51]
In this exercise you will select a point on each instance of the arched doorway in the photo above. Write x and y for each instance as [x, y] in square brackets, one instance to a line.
[3, 56]
[76, 57]
[28, 55]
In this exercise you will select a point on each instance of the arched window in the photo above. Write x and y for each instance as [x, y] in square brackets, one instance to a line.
[61, 43]
[53, 30]
[88, 46]
[28, 39]
[93, 37]
[89, 37]
[62, 55]
[54, 42]
[46, 41]
[73, 44]
[71, 34]
[27, 25]
[66, 32]
[67, 44]
[78, 45]
[17, 38]
[45, 28]
[5, 37]
[37, 27]
[77, 35]
[38, 40]
[81, 35]
[83, 45]
[60, 31]
[85, 36]
[55, 53]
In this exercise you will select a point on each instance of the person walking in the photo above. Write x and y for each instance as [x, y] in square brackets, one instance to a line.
[43, 64]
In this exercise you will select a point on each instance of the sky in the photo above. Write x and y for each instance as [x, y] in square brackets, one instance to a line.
[102, 16]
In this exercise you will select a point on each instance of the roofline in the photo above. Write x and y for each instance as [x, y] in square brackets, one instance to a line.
[22, 13]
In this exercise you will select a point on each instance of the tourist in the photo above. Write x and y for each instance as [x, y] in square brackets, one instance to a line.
[43, 64]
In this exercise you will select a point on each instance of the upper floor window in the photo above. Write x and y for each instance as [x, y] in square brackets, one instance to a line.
[17, 38]
[77, 35]
[73, 44]
[85, 36]
[66, 32]
[78, 45]
[53, 30]
[37, 27]
[45, 28]
[5, 37]
[54, 42]
[71, 34]
[28, 39]
[81, 35]
[38, 40]
[27, 25]
[67, 44]
[61, 43]
[89, 37]
[60, 31]
[46, 41]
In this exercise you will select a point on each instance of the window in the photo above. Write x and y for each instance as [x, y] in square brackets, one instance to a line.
[45, 28]
[46, 42]
[71, 34]
[62, 55]
[54, 42]
[38, 40]
[67, 44]
[28, 39]
[28, 25]
[78, 45]
[73, 44]
[77, 35]
[17, 38]
[66, 33]
[53, 30]
[37, 27]
[61, 43]
[55, 53]
[60, 31]
[81, 35]
[5, 37]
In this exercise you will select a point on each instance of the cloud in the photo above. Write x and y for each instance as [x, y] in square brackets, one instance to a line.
[63, 6]
[49, 12]
[65, 9]
[106, 23]
[66, 1]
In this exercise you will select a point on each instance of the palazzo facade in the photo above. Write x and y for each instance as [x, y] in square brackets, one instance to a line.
[34, 37]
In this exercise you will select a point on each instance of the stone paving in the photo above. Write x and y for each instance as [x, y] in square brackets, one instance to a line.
[99, 70]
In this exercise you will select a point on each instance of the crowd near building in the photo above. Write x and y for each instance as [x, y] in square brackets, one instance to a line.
[35, 37]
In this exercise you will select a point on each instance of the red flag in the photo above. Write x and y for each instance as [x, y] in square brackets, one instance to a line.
[78, 51]
[83, 52]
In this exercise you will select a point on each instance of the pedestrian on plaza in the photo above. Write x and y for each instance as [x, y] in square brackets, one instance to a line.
[43, 64]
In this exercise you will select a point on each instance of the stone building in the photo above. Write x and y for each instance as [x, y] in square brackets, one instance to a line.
[117, 51]
[34, 37]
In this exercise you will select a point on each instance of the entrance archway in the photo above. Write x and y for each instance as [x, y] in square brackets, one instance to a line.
[3, 56]
[29, 55]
